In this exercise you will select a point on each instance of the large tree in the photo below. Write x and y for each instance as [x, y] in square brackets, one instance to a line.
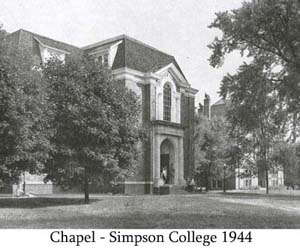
[266, 31]
[265, 90]
[96, 123]
[24, 134]
[255, 111]
[287, 156]
[212, 147]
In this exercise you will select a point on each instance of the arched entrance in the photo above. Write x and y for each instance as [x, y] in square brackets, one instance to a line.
[167, 159]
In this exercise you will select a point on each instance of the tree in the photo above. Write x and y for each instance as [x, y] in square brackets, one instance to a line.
[265, 91]
[254, 110]
[266, 31]
[211, 146]
[96, 123]
[287, 156]
[24, 132]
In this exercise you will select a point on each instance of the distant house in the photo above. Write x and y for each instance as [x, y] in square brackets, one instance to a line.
[219, 108]
[166, 96]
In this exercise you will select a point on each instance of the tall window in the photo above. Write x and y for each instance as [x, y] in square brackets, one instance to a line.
[167, 102]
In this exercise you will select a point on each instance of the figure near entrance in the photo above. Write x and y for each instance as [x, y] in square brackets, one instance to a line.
[167, 171]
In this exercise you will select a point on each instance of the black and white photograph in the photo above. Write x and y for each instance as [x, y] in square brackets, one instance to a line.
[147, 114]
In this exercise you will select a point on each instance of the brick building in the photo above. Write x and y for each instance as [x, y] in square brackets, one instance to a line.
[167, 101]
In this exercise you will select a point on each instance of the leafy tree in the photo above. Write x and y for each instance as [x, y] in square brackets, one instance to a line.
[211, 146]
[2, 33]
[24, 133]
[287, 156]
[265, 91]
[95, 121]
[255, 110]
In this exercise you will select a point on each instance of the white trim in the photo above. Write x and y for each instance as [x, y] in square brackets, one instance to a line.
[129, 77]
[99, 51]
[37, 183]
[172, 69]
[124, 72]
[116, 44]
[53, 48]
[129, 71]
[137, 76]
[103, 42]
[105, 48]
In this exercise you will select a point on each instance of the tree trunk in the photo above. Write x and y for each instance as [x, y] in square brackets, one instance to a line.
[207, 182]
[267, 181]
[207, 185]
[265, 159]
[24, 184]
[224, 181]
[86, 188]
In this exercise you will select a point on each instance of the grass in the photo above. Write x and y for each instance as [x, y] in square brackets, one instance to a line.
[214, 210]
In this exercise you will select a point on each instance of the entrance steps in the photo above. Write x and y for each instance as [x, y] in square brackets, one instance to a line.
[172, 190]
[178, 190]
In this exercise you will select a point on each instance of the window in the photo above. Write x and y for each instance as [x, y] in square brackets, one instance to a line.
[167, 102]
[103, 59]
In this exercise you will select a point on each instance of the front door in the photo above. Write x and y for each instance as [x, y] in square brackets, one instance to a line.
[165, 167]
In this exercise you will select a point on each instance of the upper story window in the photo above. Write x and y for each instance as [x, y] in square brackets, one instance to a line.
[48, 52]
[103, 59]
[167, 102]
[51, 54]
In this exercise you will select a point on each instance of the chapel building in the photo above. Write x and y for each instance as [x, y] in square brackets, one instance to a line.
[167, 102]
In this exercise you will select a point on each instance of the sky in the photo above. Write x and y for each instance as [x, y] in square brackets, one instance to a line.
[177, 27]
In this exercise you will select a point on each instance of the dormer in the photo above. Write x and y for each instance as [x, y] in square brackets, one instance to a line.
[48, 52]
[105, 54]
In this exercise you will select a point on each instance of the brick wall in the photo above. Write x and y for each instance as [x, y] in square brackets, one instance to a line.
[187, 120]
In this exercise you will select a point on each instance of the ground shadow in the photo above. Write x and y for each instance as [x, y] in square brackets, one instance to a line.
[278, 196]
[40, 202]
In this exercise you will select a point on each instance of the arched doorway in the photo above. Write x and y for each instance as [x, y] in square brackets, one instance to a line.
[167, 168]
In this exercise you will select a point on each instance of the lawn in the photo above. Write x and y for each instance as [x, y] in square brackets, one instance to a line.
[214, 210]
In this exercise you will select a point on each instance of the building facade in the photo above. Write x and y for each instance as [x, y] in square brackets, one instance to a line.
[167, 101]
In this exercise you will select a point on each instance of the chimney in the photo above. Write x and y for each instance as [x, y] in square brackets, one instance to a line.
[206, 106]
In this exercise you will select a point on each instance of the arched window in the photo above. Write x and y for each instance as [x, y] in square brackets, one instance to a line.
[167, 102]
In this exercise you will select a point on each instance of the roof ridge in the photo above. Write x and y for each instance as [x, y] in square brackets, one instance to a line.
[221, 101]
[35, 34]
[119, 37]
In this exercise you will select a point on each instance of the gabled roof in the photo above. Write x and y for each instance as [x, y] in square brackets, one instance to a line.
[136, 55]
[221, 102]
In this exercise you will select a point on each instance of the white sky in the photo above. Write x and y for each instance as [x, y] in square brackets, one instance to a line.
[178, 27]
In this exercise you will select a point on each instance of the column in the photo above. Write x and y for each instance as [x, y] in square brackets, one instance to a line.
[180, 162]
[153, 101]
[177, 109]
[176, 164]
[157, 161]
[159, 109]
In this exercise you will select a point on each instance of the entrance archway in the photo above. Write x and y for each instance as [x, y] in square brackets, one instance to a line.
[167, 159]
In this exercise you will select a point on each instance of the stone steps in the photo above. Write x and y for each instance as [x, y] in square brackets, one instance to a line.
[178, 190]
[172, 190]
